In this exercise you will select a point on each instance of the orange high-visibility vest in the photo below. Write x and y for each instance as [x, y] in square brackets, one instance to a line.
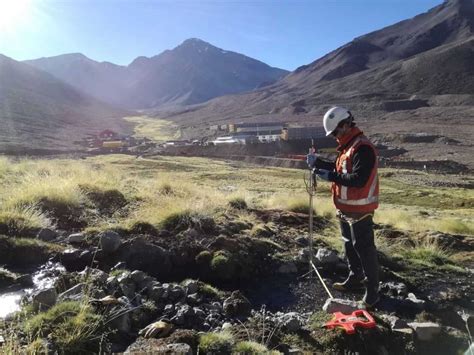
[356, 199]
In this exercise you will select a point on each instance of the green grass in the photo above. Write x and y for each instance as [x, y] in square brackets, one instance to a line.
[250, 348]
[216, 343]
[72, 326]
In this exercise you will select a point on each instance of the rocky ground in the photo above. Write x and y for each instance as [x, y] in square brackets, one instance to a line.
[222, 285]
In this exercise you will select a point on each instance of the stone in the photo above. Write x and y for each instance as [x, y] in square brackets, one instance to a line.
[156, 293]
[291, 321]
[169, 309]
[44, 299]
[237, 305]
[76, 238]
[110, 241]
[137, 276]
[394, 288]
[394, 321]
[199, 312]
[425, 331]
[340, 305]
[226, 325]
[326, 256]
[194, 298]
[96, 275]
[73, 294]
[176, 349]
[288, 268]
[413, 302]
[191, 286]
[46, 235]
[176, 292]
[25, 280]
[123, 323]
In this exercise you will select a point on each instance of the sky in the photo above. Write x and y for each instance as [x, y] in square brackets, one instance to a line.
[281, 33]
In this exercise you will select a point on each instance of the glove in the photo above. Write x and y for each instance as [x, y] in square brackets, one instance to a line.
[323, 174]
[159, 329]
[310, 160]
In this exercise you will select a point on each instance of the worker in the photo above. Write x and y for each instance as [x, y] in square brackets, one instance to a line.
[355, 191]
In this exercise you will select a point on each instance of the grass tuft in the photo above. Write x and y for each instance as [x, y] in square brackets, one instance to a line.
[216, 343]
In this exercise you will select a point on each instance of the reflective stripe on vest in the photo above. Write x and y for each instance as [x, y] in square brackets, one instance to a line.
[370, 199]
[363, 201]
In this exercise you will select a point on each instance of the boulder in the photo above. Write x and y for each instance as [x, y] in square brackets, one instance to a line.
[340, 305]
[123, 323]
[138, 276]
[425, 331]
[44, 299]
[392, 288]
[237, 305]
[46, 235]
[73, 294]
[302, 241]
[76, 238]
[110, 241]
[191, 286]
[326, 256]
[395, 322]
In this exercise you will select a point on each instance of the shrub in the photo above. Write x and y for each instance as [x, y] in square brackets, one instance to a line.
[216, 343]
[73, 327]
[238, 203]
[223, 265]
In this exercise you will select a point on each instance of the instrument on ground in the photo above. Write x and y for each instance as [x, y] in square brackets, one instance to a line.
[359, 318]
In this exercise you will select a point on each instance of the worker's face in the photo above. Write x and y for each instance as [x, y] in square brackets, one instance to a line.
[341, 131]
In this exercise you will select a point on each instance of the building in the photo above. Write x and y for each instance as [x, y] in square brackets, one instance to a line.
[255, 127]
[296, 133]
[108, 134]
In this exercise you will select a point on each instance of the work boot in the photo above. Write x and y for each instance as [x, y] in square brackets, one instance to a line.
[371, 297]
[352, 283]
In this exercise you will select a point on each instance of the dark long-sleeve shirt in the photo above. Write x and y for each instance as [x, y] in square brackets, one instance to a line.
[363, 162]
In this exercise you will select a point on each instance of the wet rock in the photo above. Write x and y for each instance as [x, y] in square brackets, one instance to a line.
[237, 305]
[288, 268]
[394, 288]
[76, 238]
[326, 256]
[191, 286]
[25, 280]
[44, 299]
[73, 294]
[425, 331]
[46, 235]
[340, 305]
[110, 241]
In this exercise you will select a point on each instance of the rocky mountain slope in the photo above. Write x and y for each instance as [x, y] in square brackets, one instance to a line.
[38, 111]
[415, 76]
[193, 72]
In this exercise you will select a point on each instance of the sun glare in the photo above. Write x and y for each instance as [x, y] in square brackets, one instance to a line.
[13, 13]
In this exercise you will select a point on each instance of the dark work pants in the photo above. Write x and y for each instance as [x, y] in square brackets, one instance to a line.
[360, 251]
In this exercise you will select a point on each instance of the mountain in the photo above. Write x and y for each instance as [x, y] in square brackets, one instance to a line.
[38, 111]
[191, 73]
[104, 81]
[430, 54]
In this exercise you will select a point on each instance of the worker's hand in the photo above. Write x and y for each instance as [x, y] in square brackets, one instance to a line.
[159, 329]
[322, 173]
[311, 159]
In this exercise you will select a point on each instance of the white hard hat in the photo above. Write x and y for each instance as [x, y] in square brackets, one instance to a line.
[333, 117]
